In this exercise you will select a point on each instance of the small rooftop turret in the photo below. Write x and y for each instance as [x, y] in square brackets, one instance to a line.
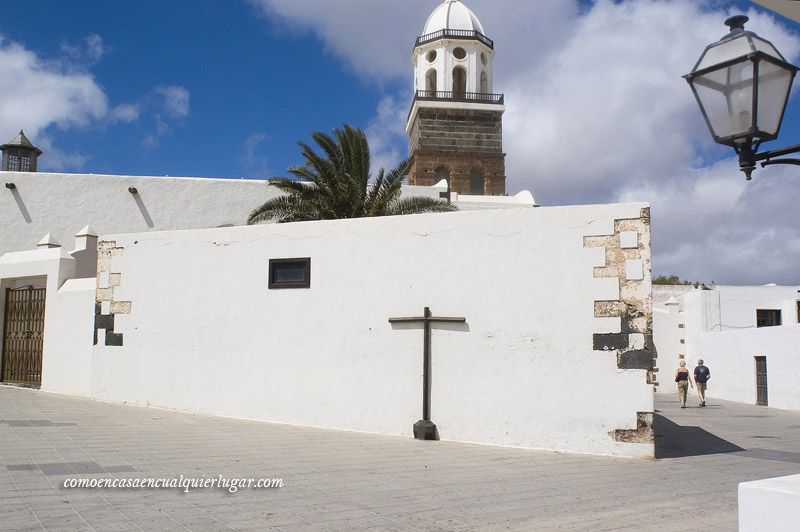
[19, 154]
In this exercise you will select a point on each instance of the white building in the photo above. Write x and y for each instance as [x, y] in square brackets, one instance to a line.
[170, 306]
[747, 335]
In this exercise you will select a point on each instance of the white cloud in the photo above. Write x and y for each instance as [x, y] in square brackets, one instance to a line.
[85, 53]
[175, 100]
[346, 25]
[36, 94]
[126, 112]
[95, 47]
[386, 133]
[376, 39]
[253, 162]
[167, 104]
[596, 112]
[56, 159]
[153, 139]
[711, 224]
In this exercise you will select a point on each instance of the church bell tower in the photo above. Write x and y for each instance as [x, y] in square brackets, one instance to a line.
[455, 126]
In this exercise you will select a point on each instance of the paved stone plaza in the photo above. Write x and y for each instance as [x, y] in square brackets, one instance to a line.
[350, 481]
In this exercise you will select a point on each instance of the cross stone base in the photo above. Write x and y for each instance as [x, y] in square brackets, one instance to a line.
[425, 430]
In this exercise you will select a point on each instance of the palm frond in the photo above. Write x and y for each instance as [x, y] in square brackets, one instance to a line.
[336, 184]
[419, 205]
[283, 209]
[387, 190]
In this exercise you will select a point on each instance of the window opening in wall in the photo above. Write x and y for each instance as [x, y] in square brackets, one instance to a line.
[768, 317]
[13, 163]
[431, 56]
[25, 164]
[484, 83]
[459, 82]
[290, 273]
[459, 53]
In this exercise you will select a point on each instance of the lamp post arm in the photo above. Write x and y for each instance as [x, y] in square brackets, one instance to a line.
[781, 161]
[766, 155]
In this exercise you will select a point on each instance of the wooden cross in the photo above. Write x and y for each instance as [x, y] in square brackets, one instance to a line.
[425, 429]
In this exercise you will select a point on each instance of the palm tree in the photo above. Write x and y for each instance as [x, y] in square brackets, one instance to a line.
[337, 185]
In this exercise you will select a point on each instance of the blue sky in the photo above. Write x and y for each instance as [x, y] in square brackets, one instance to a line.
[596, 108]
[244, 76]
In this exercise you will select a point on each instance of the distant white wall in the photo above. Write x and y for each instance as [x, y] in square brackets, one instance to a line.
[731, 357]
[62, 204]
[739, 304]
[202, 332]
[668, 337]
[730, 353]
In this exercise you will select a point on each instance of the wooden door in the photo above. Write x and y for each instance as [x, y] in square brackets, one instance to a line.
[761, 381]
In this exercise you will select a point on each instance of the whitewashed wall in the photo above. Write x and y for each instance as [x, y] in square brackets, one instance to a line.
[67, 352]
[668, 336]
[730, 308]
[69, 310]
[770, 504]
[62, 204]
[731, 357]
[203, 333]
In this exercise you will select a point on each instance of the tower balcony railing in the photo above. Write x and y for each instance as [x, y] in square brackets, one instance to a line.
[455, 34]
[451, 96]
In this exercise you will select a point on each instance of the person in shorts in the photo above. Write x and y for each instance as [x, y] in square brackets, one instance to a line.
[683, 380]
[701, 376]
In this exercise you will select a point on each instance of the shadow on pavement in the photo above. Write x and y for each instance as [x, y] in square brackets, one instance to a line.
[675, 441]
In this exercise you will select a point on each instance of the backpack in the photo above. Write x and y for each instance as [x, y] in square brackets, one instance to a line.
[701, 374]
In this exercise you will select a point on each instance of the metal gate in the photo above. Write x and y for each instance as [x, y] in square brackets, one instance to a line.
[761, 381]
[23, 329]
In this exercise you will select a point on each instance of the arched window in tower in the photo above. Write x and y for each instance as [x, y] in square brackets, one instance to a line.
[459, 82]
[430, 83]
[484, 83]
[476, 182]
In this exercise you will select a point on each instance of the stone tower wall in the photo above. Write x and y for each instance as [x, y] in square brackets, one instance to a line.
[459, 140]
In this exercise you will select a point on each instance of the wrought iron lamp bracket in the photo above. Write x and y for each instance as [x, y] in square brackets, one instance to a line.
[748, 157]
[767, 157]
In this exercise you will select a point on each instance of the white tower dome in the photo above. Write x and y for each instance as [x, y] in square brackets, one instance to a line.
[453, 55]
[452, 15]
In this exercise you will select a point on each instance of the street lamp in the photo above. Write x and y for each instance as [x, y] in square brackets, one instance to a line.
[742, 84]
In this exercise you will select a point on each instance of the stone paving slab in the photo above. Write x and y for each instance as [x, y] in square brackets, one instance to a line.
[350, 481]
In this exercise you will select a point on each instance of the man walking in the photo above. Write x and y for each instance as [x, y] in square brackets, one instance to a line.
[701, 376]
